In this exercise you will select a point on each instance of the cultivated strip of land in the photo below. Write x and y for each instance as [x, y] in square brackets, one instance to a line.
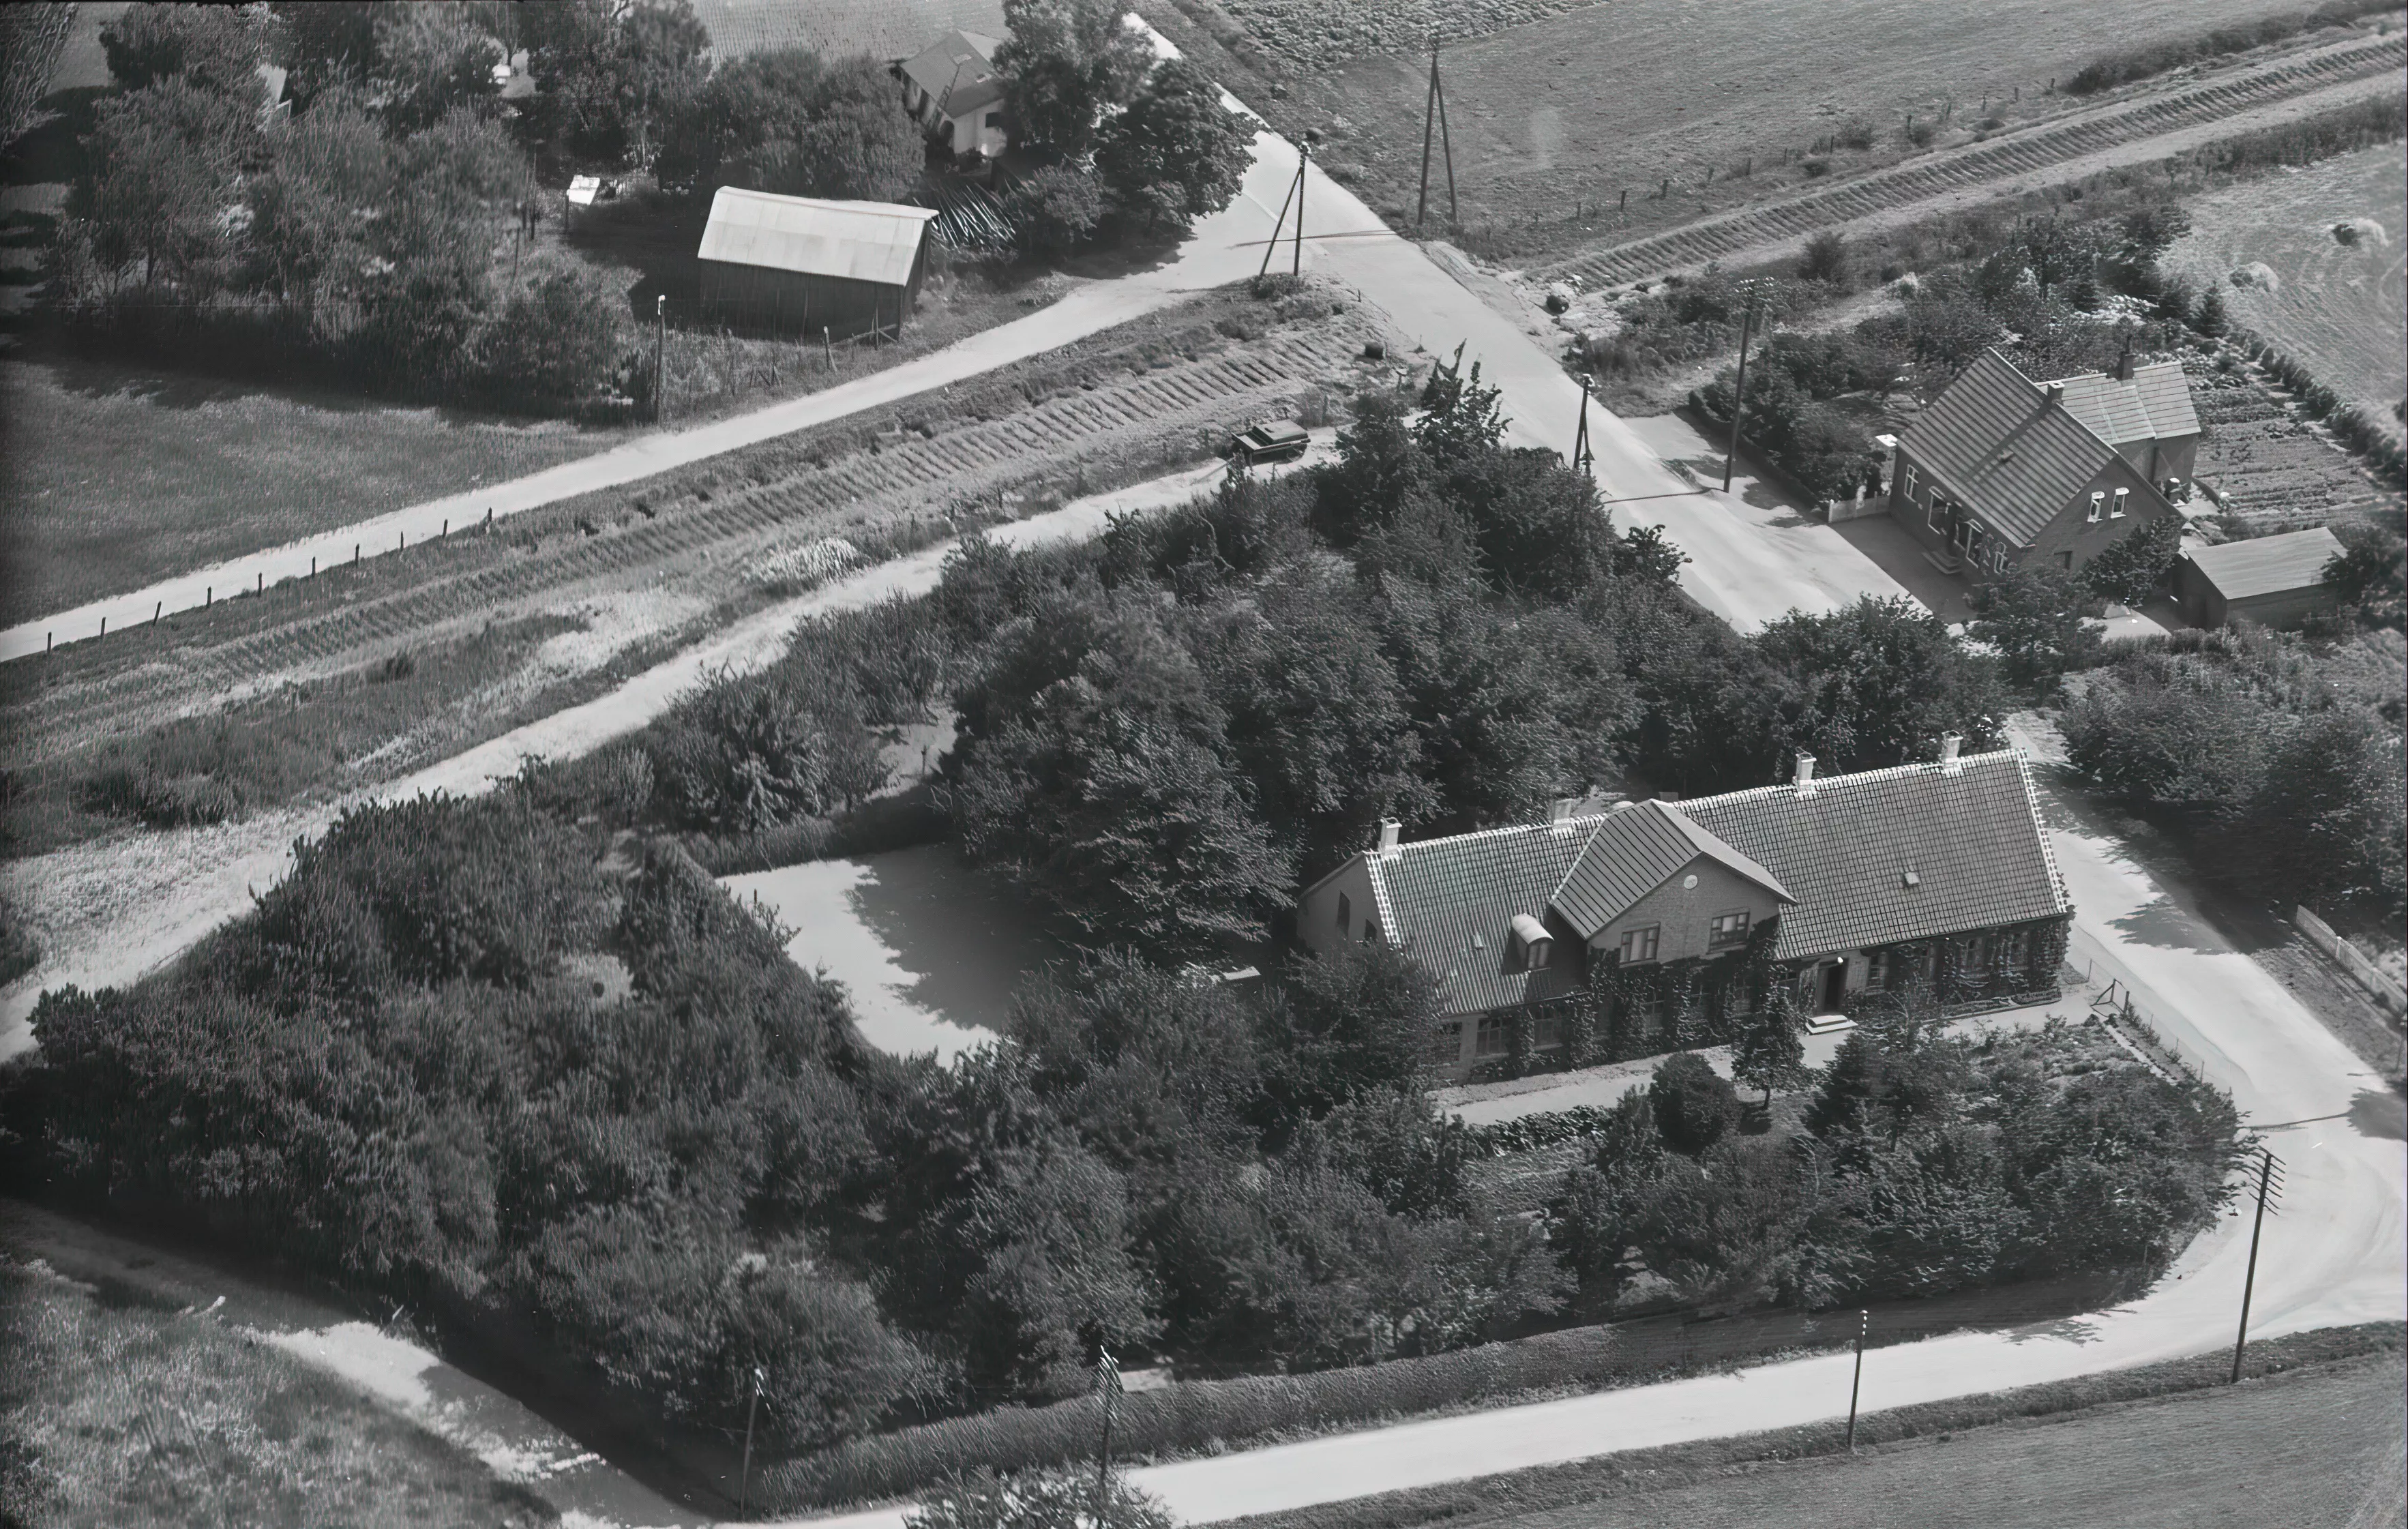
[2065, 149]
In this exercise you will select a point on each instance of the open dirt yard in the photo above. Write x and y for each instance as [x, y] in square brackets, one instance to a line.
[2339, 305]
[2318, 1450]
[1576, 108]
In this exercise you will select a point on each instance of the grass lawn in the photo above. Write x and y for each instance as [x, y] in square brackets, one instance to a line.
[119, 1415]
[113, 475]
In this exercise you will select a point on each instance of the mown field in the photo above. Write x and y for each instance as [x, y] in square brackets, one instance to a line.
[113, 1413]
[2317, 1451]
[1580, 106]
[2340, 309]
[881, 28]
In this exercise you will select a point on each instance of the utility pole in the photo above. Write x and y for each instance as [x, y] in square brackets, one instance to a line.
[1856, 1387]
[1739, 389]
[1271, 244]
[1582, 458]
[660, 356]
[1108, 1385]
[2249, 1283]
[1303, 163]
[1434, 116]
[744, 1482]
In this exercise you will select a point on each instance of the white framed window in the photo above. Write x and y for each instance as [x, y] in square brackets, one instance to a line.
[1910, 477]
[1877, 970]
[2122, 505]
[1495, 1036]
[1640, 944]
[1729, 929]
[2098, 506]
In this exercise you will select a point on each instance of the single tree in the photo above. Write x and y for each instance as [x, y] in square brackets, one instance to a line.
[1770, 1052]
[1063, 65]
[1055, 209]
[430, 58]
[1175, 155]
[2032, 616]
[2210, 317]
[1826, 259]
[160, 165]
[2129, 570]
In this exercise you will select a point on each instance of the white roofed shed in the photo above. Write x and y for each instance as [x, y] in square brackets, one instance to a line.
[801, 263]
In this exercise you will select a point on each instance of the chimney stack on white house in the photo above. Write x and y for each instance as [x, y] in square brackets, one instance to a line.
[1805, 775]
[1389, 828]
[2055, 395]
[1949, 744]
[1559, 812]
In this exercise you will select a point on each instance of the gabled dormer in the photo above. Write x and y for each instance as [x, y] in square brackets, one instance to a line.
[1650, 886]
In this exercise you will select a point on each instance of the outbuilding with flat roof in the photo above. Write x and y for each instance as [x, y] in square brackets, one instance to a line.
[2273, 581]
[800, 264]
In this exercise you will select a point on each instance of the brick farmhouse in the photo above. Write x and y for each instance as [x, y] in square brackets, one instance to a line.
[2002, 471]
[1607, 934]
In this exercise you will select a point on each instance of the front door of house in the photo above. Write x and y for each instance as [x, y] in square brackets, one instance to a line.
[1835, 986]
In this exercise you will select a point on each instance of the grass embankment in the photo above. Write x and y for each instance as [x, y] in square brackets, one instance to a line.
[116, 1414]
[2273, 1437]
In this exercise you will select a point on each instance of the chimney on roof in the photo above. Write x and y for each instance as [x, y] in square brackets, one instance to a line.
[1949, 744]
[1805, 775]
[1559, 812]
[2124, 361]
[1389, 828]
[2056, 398]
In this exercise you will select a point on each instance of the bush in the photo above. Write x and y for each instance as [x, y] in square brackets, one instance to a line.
[1055, 209]
[2130, 569]
[1052, 1499]
[1693, 1104]
[554, 340]
[1825, 258]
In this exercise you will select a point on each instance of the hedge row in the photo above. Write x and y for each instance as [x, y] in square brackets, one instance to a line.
[2350, 425]
[1529, 1132]
[1193, 1416]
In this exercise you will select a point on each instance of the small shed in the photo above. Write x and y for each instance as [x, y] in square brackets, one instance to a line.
[2273, 581]
[795, 264]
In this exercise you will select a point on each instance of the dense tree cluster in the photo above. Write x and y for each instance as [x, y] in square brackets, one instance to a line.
[370, 233]
[790, 121]
[2289, 749]
[1926, 1166]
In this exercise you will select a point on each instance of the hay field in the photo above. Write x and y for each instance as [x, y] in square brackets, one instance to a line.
[2341, 309]
[1623, 93]
[881, 28]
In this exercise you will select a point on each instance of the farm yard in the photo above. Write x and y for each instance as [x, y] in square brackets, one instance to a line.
[1567, 112]
[2339, 308]
[397, 661]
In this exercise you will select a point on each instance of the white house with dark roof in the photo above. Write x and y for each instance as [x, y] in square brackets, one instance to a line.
[2002, 470]
[1639, 921]
[952, 89]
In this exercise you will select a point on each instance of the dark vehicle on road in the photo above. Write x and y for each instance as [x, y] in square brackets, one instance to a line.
[1275, 440]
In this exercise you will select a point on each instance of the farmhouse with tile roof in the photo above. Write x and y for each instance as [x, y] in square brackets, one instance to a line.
[2002, 471]
[1642, 926]
[951, 88]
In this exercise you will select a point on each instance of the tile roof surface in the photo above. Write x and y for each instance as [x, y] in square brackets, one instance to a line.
[1630, 854]
[2268, 565]
[2154, 405]
[1972, 838]
[860, 241]
[1437, 895]
[958, 70]
[1995, 445]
